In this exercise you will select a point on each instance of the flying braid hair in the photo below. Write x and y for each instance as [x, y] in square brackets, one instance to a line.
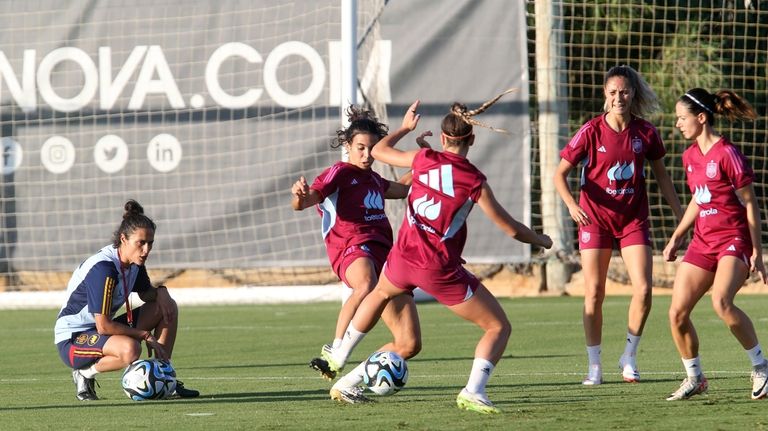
[457, 124]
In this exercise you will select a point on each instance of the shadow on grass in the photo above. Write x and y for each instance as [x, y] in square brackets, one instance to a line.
[213, 398]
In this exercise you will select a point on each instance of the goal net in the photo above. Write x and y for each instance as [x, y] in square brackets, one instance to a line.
[201, 111]
[676, 46]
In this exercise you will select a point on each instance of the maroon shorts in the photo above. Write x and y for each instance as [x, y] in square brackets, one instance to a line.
[706, 256]
[373, 250]
[593, 237]
[449, 286]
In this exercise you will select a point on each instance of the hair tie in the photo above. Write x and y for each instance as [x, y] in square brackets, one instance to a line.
[456, 137]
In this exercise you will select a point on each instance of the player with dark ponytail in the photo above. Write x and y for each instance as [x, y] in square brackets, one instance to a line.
[726, 244]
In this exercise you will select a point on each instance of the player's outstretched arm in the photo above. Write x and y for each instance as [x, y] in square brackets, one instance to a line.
[506, 223]
[303, 196]
[384, 150]
[399, 189]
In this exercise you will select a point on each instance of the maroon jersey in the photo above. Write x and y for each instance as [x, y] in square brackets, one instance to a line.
[612, 176]
[445, 188]
[713, 179]
[352, 209]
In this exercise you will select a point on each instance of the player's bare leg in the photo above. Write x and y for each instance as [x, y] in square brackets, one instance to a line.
[595, 263]
[639, 264]
[485, 311]
[361, 278]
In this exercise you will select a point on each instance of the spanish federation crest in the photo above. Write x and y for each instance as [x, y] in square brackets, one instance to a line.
[585, 237]
[711, 171]
[637, 145]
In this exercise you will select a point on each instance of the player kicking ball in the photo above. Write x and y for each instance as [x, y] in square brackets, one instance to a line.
[428, 250]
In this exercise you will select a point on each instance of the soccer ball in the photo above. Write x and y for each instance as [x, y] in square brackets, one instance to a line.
[385, 373]
[149, 379]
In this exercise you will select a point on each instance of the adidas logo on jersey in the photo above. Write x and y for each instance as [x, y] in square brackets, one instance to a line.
[602, 149]
[354, 182]
[439, 179]
[731, 248]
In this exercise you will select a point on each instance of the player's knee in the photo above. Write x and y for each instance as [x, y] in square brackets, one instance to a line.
[362, 290]
[157, 314]
[174, 309]
[505, 330]
[592, 303]
[722, 306]
[501, 327]
[677, 317]
[409, 348]
[129, 352]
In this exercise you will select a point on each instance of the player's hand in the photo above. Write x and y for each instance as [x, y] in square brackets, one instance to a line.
[579, 215]
[300, 189]
[421, 142]
[670, 251]
[545, 241]
[154, 346]
[411, 118]
[757, 265]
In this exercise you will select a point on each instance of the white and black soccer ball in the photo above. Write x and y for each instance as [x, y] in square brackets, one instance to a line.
[149, 379]
[385, 373]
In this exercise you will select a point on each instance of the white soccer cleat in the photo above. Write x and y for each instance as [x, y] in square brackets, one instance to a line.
[691, 386]
[628, 369]
[594, 376]
[351, 395]
[84, 387]
[476, 403]
[760, 381]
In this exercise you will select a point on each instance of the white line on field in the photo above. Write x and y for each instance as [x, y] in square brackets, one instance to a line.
[412, 376]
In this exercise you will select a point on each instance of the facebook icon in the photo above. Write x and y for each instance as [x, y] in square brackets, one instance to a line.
[11, 155]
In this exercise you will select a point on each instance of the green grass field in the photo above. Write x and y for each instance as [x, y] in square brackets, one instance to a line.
[250, 363]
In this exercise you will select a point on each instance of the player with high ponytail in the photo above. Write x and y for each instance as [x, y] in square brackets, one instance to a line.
[726, 244]
[428, 250]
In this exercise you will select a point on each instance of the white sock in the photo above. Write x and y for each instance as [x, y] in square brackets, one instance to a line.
[348, 342]
[478, 377]
[756, 355]
[89, 372]
[630, 349]
[353, 378]
[336, 343]
[692, 366]
[593, 355]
